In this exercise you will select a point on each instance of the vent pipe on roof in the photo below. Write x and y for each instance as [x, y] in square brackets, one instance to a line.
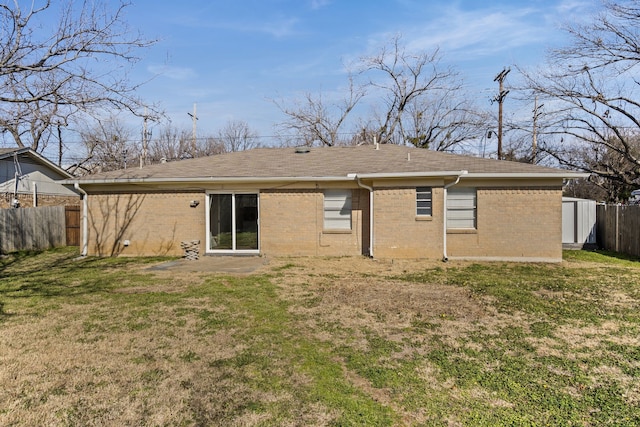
[302, 150]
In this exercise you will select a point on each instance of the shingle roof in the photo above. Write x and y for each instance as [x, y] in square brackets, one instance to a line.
[323, 162]
[27, 154]
[5, 151]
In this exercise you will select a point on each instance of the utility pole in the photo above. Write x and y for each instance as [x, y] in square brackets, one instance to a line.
[145, 140]
[124, 157]
[59, 146]
[193, 137]
[500, 99]
[534, 145]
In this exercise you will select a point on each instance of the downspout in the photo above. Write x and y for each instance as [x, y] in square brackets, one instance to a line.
[85, 222]
[370, 213]
[445, 257]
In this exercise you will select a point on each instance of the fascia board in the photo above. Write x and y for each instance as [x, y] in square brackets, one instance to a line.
[527, 175]
[241, 180]
[349, 177]
[408, 174]
[206, 180]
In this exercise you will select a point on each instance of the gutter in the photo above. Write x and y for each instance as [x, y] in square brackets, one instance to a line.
[359, 177]
[85, 222]
[409, 174]
[370, 213]
[254, 179]
[204, 180]
[445, 257]
[515, 175]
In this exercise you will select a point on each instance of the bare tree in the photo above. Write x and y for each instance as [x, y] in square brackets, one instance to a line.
[236, 135]
[416, 101]
[422, 100]
[108, 145]
[171, 143]
[313, 120]
[443, 121]
[177, 144]
[209, 146]
[592, 97]
[49, 77]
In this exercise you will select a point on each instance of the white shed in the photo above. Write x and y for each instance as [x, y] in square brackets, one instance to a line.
[578, 222]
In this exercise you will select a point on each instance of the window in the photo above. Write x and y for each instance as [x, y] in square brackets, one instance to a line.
[337, 210]
[423, 201]
[233, 222]
[461, 208]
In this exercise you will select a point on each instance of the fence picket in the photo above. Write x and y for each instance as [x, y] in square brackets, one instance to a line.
[618, 228]
[32, 228]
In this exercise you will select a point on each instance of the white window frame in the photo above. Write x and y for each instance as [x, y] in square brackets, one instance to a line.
[337, 205]
[462, 209]
[233, 223]
[424, 201]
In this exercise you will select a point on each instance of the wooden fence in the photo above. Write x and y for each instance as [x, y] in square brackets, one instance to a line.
[618, 228]
[32, 228]
[72, 224]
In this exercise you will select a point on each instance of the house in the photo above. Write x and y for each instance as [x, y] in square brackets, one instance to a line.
[30, 179]
[385, 201]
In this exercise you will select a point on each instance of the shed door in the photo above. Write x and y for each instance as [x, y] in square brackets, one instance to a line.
[568, 222]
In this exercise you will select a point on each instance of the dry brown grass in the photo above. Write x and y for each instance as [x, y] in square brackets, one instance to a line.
[112, 360]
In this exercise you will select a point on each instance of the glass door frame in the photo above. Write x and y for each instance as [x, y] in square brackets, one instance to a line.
[233, 249]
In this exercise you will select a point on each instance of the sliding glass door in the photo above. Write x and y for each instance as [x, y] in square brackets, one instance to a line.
[233, 222]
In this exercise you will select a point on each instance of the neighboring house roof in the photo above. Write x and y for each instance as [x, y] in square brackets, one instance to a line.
[44, 185]
[325, 163]
[28, 155]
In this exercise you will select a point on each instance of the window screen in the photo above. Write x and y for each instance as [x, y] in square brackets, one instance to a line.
[461, 208]
[423, 201]
[337, 209]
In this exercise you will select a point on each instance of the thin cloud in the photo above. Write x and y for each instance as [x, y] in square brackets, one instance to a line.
[173, 73]
[480, 33]
[277, 27]
[319, 4]
[280, 28]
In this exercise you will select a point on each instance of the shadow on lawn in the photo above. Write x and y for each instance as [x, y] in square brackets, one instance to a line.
[618, 255]
[600, 255]
[58, 273]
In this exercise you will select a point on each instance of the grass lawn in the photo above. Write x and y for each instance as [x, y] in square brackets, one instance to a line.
[319, 342]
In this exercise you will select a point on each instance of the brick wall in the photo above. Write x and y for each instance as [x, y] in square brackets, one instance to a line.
[513, 223]
[26, 200]
[292, 221]
[154, 223]
[398, 232]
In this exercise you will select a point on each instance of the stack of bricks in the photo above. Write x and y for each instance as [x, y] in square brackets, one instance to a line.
[191, 249]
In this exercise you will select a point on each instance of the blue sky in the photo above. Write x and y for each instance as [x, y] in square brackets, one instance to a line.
[233, 58]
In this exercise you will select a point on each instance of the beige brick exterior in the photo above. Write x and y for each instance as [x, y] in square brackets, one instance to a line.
[291, 223]
[26, 200]
[398, 232]
[154, 223]
[512, 223]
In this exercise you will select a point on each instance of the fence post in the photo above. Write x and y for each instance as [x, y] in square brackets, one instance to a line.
[617, 227]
